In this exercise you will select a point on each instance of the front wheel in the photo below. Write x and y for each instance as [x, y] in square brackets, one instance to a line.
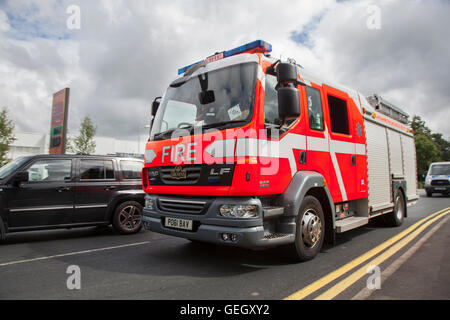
[128, 217]
[310, 230]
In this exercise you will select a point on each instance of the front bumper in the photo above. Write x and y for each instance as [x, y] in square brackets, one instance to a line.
[209, 225]
[437, 189]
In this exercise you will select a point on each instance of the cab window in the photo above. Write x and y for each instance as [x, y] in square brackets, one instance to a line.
[271, 103]
[338, 115]
[315, 111]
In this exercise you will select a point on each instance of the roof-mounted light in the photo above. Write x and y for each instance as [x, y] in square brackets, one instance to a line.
[258, 46]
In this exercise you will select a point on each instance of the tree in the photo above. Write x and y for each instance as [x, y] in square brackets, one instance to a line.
[430, 147]
[84, 143]
[6, 136]
[419, 127]
[426, 153]
[444, 146]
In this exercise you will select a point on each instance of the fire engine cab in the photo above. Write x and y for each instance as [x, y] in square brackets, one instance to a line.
[250, 151]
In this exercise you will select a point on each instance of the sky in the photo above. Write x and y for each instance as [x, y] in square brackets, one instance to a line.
[122, 54]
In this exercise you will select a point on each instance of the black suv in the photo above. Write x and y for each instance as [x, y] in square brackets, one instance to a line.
[67, 191]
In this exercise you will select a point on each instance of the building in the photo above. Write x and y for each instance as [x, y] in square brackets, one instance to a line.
[27, 144]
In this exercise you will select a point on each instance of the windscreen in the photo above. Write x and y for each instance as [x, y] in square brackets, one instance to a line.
[9, 168]
[218, 98]
[440, 169]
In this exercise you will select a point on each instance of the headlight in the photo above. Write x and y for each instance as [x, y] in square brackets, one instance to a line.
[428, 180]
[238, 211]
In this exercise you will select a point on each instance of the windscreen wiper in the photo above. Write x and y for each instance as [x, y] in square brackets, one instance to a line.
[168, 132]
[222, 123]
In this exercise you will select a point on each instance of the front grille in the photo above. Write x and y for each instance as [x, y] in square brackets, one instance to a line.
[181, 206]
[440, 182]
[192, 175]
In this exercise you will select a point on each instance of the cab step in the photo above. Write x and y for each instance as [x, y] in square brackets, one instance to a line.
[271, 212]
[350, 223]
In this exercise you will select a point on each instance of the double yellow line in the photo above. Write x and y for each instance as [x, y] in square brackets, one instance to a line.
[400, 240]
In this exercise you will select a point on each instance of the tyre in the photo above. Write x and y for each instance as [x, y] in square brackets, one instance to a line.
[310, 230]
[429, 194]
[396, 217]
[128, 217]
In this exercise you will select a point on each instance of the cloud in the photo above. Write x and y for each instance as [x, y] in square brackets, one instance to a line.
[126, 53]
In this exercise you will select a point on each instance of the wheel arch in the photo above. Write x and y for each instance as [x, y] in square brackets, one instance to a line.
[312, 183]
[117, 201]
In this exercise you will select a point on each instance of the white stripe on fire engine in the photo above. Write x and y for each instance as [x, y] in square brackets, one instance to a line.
[248, 147]
[337, 169]
[262, 77]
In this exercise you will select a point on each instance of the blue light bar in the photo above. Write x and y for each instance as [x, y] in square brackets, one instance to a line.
[258, 44]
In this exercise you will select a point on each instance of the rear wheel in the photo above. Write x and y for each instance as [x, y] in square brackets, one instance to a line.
[128, 217]
[310, 230]
[396, 217]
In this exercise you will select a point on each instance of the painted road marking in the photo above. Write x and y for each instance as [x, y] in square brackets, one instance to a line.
[313, 287]
[72, 253]
[361, 272]
[366, 292]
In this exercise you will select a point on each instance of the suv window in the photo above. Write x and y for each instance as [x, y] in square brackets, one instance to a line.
[96, 170]
[131, 170]
[50, 170]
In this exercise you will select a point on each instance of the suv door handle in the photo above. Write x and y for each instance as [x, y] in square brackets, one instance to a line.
[61, 189]
[110, 188]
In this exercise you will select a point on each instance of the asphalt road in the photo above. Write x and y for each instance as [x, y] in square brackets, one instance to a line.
[34, 265]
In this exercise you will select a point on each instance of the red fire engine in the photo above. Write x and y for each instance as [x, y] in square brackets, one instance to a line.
[250, 151]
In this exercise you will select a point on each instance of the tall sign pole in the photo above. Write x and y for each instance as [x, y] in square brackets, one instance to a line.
[58, 125]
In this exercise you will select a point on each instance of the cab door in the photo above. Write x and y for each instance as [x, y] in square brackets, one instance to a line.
[46, 199]
[317, 142]
[343, 165]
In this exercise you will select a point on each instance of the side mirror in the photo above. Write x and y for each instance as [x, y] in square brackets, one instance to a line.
[206, 97]
[155, 106]
[286, 72]
[288, 103]
[154, 109]
[19, 177]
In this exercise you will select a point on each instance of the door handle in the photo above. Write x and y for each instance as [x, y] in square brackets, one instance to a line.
[110, 188]
[302, 159]
[353, 163]
[61, 189]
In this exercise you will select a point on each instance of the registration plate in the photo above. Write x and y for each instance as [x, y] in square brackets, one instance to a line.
[440, 188]
[178, 223]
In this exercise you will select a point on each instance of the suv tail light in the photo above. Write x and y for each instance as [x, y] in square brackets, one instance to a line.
[144, 178]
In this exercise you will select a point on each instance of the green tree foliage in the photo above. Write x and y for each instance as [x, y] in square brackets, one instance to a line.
[6, 136]
[444, 145]
[84, 143]
[430, 147]
[427, 152]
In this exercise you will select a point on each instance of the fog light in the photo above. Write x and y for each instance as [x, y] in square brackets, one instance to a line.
[238, 211]
[225, 236]
[234, 237]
